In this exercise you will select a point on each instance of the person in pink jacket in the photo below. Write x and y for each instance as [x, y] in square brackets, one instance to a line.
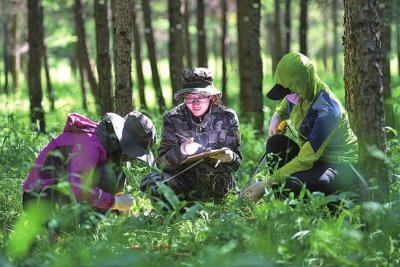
[86, 157]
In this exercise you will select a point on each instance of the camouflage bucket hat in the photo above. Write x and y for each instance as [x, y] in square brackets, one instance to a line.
[136, 134]
[197, 81]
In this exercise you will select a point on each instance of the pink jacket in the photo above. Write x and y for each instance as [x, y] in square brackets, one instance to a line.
[82, 153]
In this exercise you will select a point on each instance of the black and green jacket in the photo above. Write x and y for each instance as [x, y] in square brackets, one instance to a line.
[320, 121]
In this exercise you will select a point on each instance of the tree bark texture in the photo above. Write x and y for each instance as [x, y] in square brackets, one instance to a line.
[15, 56]
[257, 67]
[6, 87]
[269, 25]
[245, 63]
[224, 40]
[288, 26]
[35, 38]
[398, 44]
[138, 58]
[325, 13]
[84, 81]
[187, 44]
[277, 54]
[175, 45]
[49, 86]
[386, 18]
[84, 54]
[364, 91]
[104, 71]
[201, 35]
[303, 26]
[122, 35]
[335, 37]
[149, 36]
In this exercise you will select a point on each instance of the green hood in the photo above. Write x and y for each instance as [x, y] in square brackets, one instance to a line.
[296, 72]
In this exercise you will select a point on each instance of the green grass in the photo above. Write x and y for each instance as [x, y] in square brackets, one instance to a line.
[273, 232]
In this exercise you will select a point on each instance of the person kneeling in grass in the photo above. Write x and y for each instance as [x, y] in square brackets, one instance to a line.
[83, 163]
[198, 125]
[328, 147]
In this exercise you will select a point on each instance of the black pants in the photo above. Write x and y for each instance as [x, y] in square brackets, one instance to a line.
[323, 177]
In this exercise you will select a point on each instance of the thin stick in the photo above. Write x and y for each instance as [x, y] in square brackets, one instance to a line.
[183, 137]
[191, 166]
[191, 139]
[264, 157]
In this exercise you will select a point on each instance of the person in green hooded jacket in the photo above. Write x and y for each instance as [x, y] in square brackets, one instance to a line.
[322, 158]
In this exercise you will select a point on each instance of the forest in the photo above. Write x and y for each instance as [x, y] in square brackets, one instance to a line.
[97, 56]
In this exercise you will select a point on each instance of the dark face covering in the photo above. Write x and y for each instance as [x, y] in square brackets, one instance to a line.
[109, 140]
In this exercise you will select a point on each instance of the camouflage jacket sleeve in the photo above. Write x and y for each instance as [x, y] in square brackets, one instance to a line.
[169, 152]
[233, 141]
[220, 128]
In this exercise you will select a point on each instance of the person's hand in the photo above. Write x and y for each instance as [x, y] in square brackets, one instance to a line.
[255, 191]
[189, 147]
[123, 203]
[227, 156]
[273, 125]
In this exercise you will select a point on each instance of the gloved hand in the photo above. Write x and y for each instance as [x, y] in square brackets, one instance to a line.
[123, 203]
[189, 147]
[255, 191]
[273, 125]
[227, 156]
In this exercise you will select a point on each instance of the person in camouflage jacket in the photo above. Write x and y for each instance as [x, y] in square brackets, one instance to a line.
[197, 125]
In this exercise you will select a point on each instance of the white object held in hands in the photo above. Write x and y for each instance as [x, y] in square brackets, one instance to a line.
[189, 147]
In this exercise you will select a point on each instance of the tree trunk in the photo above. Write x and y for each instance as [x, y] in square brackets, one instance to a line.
[256, 62]
[84, 80]
[122, 36]
[6, 87]
[35, 37]
[288, 27]
[104, 71]
[224, 22]
[148, 31]
[138, 59]
[364, 91]
[277, 54]
[215, 51]
[187, 44]
[245, 63]
[49, 86]
[385, 22]
[87, 62]
[269, 28]
[303, 26]
[325, 13]
[335, 37]
[175, 44]
[201, 35]
[398, 44]
[15, 56]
